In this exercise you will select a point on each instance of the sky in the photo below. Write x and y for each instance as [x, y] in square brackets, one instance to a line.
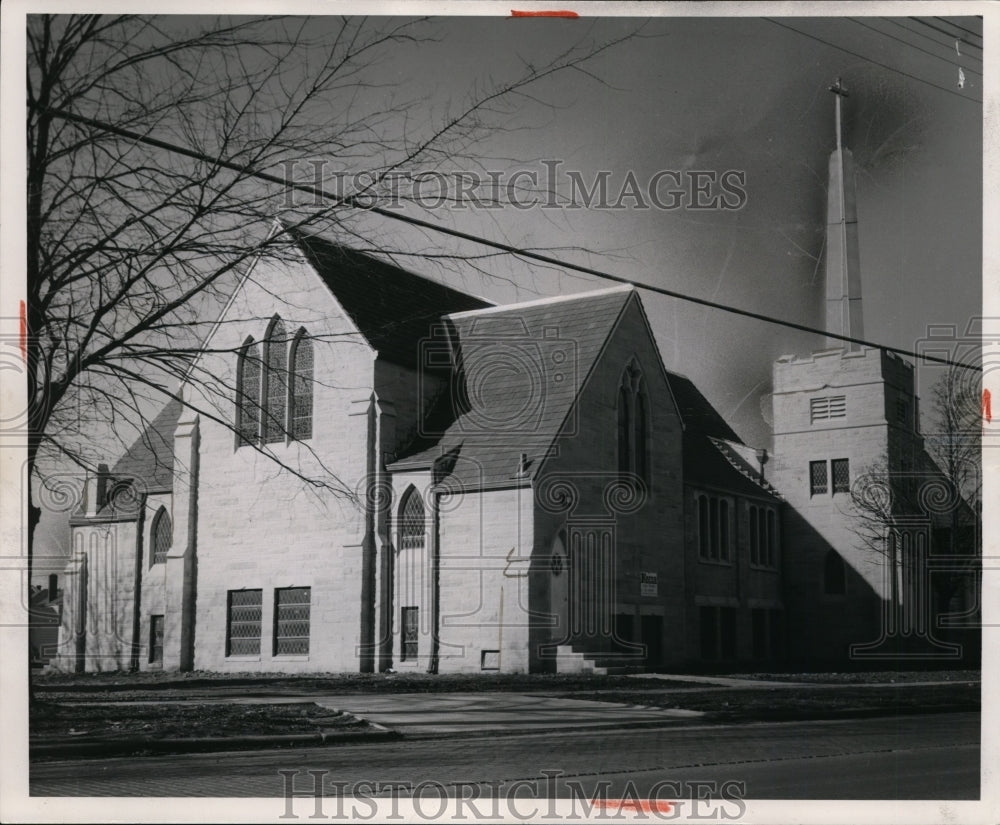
[713, 95]
[747, 96]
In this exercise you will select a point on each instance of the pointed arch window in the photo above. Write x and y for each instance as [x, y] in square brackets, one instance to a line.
[633, 423]
[161, 533]
[411, 525]
[300, 399]
[248, 394]
[275, 381]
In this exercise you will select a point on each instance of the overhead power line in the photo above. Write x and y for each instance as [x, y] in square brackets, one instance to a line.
[362, 203]
[952, 35]
[949, 46]
[960, 28]
[949, 60]
[873, 62]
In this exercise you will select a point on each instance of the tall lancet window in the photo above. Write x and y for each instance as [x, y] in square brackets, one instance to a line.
[248, 394]
[301, 389]
[161, 535]
[633, 424]
[275, 381]
[411, 527]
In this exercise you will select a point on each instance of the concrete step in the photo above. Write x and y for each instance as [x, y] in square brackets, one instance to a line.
[571, 660]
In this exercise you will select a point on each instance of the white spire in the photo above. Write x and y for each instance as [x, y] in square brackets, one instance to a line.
[843, 263]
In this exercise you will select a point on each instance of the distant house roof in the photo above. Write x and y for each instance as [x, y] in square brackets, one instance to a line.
[392, 308]
[521, 368]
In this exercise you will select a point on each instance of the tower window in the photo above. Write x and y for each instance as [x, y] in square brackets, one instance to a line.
[826, 407]
[841, 475]
[817, 478]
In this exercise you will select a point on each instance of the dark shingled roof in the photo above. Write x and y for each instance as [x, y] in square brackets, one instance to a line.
[696, 412]
[707, 460]
[392, 308]
[522, 368]
[151, 456]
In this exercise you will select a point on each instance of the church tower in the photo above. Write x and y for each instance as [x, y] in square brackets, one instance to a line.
[838, 414]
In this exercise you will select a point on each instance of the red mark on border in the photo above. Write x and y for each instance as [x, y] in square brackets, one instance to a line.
[645, 805]
[987, 415]
[23, 338]
[570, 14]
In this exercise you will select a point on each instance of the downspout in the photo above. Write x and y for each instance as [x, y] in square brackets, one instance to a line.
[140, 524]
[367, 657]
[435, 586]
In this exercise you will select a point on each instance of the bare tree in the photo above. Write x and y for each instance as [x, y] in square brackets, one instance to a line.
[132, 247]
[936, 481]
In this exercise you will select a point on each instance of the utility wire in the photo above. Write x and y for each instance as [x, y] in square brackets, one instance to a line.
[362, 203]
[960, 28]
[936, 41]
[873, 62]
[948, 34]
[951, 61]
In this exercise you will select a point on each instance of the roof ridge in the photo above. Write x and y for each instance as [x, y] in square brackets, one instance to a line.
[535, 302]
[732, 457]
[300, 234]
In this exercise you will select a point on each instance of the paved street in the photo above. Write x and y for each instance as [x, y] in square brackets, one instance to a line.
[917, 757]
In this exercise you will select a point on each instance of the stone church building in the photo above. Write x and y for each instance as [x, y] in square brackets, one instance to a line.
[369, 470]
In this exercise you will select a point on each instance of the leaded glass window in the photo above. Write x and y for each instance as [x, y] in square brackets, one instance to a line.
[411, 528]
[817, 478]
[276, 382]
[301, 414]
[243, 626]
[291, 621]
[162, 536]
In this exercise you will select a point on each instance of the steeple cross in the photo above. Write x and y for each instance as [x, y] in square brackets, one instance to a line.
[840, 90]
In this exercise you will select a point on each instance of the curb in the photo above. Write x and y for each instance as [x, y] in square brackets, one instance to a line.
[125, 747]
[709, 719]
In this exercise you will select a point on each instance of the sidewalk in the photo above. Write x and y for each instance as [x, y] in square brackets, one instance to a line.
[386, 716]
[391, 716]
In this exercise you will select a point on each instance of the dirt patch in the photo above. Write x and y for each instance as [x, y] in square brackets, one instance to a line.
[65, 722]
[869, 676]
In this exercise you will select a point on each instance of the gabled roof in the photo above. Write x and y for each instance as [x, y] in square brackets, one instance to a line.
[697, 414]
[393, 309]
[521, 369]
[151, 456]
[146, 467]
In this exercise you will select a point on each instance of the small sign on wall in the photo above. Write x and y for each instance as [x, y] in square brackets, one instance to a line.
[648, 584]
